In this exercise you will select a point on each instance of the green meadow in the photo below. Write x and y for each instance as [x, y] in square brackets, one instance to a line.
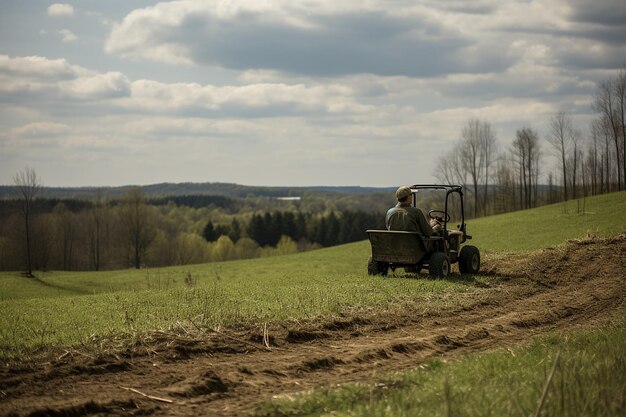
[528, 230]
[68, 308]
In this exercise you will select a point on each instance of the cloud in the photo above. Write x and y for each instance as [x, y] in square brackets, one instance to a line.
[67, 35]
[39, 80]
[583, 54]
[348, 115]
[60, 9]
[332, 39]
[34, 67]
[605, 12]
[575, 34]
[98, 86]
[254, 100]
[474, 7]
[320, 40]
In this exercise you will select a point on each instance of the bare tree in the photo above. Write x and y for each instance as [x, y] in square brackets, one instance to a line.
[605, 103]
[137, 225]
[575, 160]
[518, 152]
[471, 156]
[559, 137]
[594, 161]
[488, 149]
[601, 130]
[620, 92]
[526, 152]
[28, 186]
[590, 169]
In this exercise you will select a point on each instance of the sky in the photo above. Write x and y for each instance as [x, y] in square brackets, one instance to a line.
[287, 92]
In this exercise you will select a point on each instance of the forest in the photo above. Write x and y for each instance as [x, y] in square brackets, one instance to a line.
[135, 230]
[43, 228]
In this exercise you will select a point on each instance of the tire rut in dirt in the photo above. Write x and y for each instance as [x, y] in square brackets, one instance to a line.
[86, 409]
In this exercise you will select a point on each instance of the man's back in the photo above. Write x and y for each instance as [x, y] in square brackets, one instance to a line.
[407, 218]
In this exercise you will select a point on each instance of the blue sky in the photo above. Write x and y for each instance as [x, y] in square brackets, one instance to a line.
[314, 92]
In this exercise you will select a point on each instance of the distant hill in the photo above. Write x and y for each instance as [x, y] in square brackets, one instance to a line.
[188, 188]
[230, 197]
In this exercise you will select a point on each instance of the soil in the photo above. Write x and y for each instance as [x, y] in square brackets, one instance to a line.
[230, 372]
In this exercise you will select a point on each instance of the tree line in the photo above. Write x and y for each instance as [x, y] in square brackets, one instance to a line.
[134, 231]
[504, 178]
[326, 229]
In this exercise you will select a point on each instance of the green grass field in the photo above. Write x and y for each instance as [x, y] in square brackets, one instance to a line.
[70, 308]
[67, 308]
[62, 308]
[551, 225]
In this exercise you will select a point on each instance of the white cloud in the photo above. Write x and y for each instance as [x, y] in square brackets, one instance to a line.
[265, 99]
[61, 9]
[67, 35]
[97, 86]
[38, 80]
[38, 67]
[58, 80]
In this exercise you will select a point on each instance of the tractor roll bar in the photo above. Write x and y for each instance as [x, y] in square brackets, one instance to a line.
[449, 190]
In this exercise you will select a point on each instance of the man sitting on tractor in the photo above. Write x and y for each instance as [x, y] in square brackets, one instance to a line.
[407, 218]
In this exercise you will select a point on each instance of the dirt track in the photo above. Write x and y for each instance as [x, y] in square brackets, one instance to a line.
[231, 372]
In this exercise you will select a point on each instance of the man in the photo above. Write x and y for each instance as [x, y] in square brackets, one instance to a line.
[408, 218]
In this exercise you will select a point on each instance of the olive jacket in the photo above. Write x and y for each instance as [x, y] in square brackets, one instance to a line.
[408, 218]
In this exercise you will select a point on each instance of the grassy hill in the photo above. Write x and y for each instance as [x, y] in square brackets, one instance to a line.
[65, 308]
[604, 215]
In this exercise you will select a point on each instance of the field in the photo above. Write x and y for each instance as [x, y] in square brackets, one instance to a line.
[254, 337]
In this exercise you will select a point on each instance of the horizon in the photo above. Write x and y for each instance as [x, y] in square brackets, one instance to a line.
[207, 182]
[466, 186]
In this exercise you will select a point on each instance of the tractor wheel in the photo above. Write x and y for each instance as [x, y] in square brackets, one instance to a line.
[439, 265]
[376, 268]
[469, 260]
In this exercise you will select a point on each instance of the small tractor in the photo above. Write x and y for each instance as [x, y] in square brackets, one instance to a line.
[413, 251]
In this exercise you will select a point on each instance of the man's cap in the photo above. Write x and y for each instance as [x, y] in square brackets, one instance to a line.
[403, 192]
